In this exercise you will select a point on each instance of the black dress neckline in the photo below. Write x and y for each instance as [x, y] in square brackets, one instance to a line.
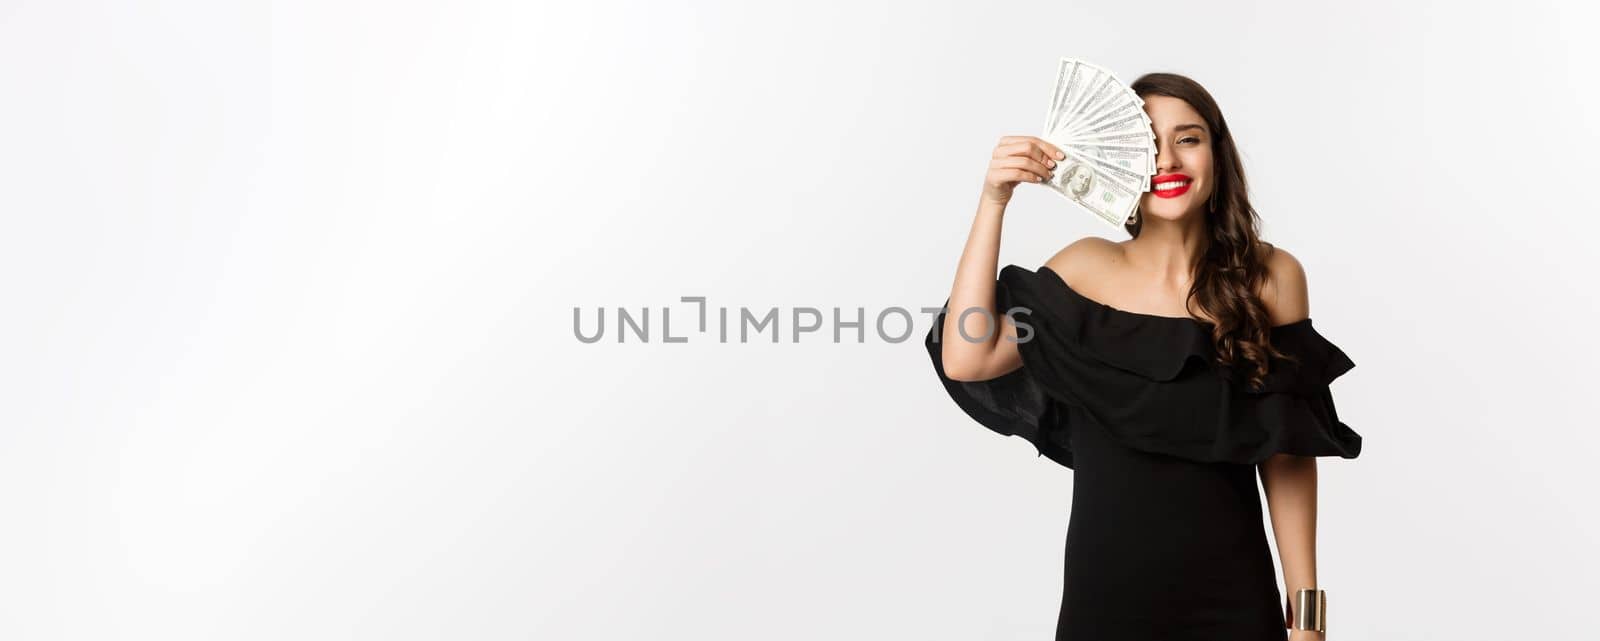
[1108, 309]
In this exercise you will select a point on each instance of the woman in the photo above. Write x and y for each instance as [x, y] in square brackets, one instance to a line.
[1167, 371]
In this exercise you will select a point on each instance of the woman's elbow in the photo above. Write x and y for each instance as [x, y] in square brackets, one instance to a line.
[962, 368]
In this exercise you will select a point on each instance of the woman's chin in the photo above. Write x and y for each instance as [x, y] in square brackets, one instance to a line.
[1165, 208]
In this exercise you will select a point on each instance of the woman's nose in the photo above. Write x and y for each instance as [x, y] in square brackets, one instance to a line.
[1166, 161]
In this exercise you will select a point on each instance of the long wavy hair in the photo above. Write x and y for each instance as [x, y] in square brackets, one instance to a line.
[1230, 274]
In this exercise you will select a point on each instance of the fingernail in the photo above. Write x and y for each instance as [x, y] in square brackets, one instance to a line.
[1060, 155]
[1052, 163]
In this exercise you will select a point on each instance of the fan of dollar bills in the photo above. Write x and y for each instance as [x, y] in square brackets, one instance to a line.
[1100, 124]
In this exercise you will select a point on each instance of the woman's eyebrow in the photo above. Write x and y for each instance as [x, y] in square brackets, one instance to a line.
[1188, 126]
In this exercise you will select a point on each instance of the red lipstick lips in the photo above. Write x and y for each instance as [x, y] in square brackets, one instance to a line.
[1181, 181]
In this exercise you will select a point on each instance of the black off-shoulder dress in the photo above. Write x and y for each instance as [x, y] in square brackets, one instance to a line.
[1166, 540]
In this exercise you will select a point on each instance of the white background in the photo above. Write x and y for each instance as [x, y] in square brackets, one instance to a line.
[287, 334]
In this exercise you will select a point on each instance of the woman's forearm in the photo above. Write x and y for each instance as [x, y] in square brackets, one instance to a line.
[1290, 483]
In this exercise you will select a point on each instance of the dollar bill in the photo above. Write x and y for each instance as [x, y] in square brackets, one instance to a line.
[1105, 88]
[1118, 139]
[1088, 78]
[1081, 183]
[1133, 179]
[1113, 113]
[1126, 124]
[1068, 79]
[1131, 158]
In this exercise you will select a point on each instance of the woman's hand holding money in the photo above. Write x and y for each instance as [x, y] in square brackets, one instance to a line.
[1018, 159]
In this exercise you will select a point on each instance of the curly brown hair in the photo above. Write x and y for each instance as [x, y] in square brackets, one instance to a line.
[1230, 274]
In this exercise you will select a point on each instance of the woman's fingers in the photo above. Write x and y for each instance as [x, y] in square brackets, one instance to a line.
[1028, 150]
[1003, 176]
[1039, 149]
[1019, 159]
[1023, 149]
[1035, 171]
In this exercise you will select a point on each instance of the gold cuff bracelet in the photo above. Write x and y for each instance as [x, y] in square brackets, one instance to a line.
[1309, 610]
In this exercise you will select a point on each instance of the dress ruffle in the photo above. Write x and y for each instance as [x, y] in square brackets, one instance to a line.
[1149, 381]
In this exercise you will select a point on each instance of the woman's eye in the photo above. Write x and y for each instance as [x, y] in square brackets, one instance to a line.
[1188, 139]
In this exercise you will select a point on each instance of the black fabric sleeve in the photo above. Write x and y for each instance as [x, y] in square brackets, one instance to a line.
[1012, 404]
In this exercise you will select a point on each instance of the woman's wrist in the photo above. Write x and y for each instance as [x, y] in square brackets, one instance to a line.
[990, 202]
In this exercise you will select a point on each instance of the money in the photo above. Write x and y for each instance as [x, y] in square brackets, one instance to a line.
[1100, 124]
[1082, 183]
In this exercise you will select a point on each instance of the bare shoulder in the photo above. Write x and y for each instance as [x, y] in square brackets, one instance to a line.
[1084, 257]
[1285, 291]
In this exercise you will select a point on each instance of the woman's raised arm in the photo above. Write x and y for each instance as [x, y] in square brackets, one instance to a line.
[971, 348]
